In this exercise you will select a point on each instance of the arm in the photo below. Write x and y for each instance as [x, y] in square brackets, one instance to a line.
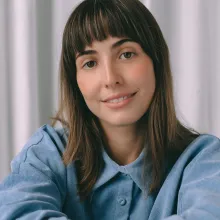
[199, 195]
[35, 189]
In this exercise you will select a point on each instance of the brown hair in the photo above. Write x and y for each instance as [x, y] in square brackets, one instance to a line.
[166, 136]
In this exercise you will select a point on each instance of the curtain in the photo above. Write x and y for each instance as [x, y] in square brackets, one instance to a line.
[30, 45]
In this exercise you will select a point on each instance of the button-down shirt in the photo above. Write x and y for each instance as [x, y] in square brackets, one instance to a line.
[41, 187]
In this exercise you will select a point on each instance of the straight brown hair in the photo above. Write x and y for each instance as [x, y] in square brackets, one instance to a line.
[95, 20]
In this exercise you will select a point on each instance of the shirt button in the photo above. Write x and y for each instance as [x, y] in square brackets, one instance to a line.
[122, 201]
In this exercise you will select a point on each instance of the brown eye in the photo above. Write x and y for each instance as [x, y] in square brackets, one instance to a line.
[89, 64]
[127, 55]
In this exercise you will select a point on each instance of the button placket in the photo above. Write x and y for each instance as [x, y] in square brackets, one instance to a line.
[124, 197]
[122, 201]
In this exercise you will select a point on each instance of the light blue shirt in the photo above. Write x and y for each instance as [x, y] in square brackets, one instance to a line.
[41, 187]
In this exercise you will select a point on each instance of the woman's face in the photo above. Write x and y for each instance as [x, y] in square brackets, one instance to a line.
[116, 78]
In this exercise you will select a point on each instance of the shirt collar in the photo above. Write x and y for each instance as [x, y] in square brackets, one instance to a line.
[134, 170]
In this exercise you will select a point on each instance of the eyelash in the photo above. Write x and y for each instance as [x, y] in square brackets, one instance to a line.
[132, 54]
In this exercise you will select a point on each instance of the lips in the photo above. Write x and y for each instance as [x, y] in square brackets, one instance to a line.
[118, 96]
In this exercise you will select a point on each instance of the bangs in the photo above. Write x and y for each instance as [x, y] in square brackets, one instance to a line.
[96, 20]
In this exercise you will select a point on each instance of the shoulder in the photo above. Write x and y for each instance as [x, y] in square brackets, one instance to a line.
[201, 147]
[44, 150]
[205, 141]
[193, 183]
[38, 176]
[200, 155]
[198, 149]
[199, 166]
[200, 160]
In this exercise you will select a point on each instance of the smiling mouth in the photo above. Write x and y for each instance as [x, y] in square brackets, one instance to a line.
[120, 99]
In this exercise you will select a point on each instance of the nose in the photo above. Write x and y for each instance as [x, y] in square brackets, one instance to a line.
[111, 75]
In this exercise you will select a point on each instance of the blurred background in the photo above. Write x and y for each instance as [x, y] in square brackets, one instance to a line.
[30, 45]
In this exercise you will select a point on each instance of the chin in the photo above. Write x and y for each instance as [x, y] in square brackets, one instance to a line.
[121, 122]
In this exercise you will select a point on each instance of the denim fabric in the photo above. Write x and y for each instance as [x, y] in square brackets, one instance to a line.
[41, 187]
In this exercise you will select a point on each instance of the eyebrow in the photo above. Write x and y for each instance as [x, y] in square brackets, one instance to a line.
[115, 45]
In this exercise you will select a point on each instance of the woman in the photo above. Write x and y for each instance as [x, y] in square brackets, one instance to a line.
[122, 153]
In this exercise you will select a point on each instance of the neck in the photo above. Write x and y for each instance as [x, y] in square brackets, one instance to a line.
[123, 144]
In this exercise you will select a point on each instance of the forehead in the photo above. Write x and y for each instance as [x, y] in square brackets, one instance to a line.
[95, 21]
[110, 41]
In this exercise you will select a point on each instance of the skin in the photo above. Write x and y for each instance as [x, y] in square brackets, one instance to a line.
[111, 70]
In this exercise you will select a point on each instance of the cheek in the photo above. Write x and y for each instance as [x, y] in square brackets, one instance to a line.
[143, 75]
[88, 87]
[82, 85]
